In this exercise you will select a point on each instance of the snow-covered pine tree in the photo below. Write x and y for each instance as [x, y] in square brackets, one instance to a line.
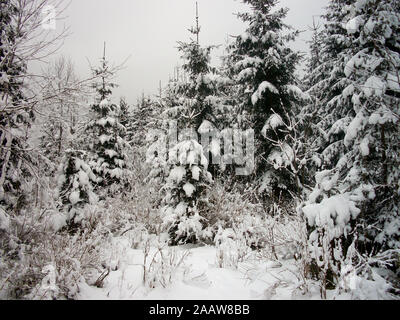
[357, 196]
[107, 147]
[226, 107]
[195, 89]
[144, 116]
[263, 67]
[314, 60]
[186, 202]
[325, 80]
[187, 175]
[157, 137]
[16, 116]
[125, 118]
[75, 187]
[308, 119]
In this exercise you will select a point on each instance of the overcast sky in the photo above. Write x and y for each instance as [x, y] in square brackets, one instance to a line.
[147, 31]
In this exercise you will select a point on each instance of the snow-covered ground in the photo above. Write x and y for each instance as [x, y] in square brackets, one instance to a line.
[197, 278]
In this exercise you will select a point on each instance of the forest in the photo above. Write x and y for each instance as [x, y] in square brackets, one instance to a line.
[247, 180]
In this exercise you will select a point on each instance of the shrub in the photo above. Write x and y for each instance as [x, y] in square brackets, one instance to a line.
[41, 264]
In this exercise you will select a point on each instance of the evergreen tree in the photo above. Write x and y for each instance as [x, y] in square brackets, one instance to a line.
[314, 60]
[358, 192]
[96, 168]
[75, 187]
[143, 119]
[107, 148]
[196, 88]
[263, 66]
[327, 80]
[158, 140]
[125, 119]
[186, 203]
[186, 173]
[308, 119]
[16, 116]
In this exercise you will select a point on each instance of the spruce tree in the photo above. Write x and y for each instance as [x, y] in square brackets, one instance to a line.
[125, 119]
[143, 118]
[356, 199]
[263, 67]
[196, 88]
[75, 187]
[107, 147]
[308, 118]
[325, 81]
[185, 205]
[16, 115]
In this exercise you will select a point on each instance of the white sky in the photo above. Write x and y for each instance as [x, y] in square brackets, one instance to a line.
[148, 31]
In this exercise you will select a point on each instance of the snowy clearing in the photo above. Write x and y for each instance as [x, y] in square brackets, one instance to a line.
[198, 278]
